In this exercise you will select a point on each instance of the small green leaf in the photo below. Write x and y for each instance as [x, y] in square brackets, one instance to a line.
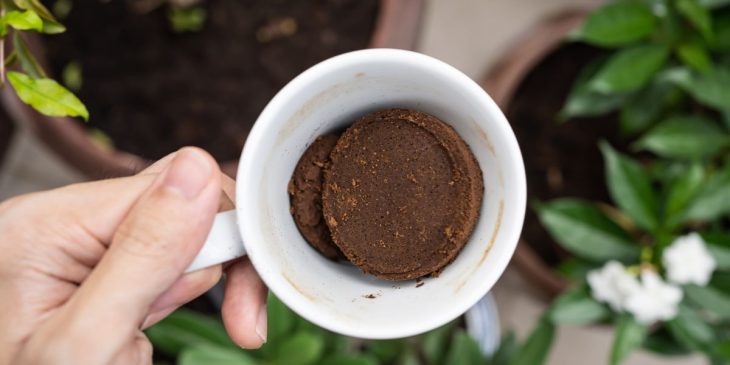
[585, 231]
[645, 107]
[280, 320]
[435, 343]
[713, 4]
[721, 25]
[695, 56]
[617, 24]
[697, 15]
[71, 76]
[664, 343]
[184, 328]
[577, 307]
[574, 268]
[629, 336]
[721, 255]
[386, 350]
[464, 350]
[22, 20]
[214, 355]
[189, 19]
[684, 137]
[409, 357]
[710, 299]
[300, 349]
[50, 24]
[630, 187]
[47, 96]
[506, 351]
[27, 61]
[349, 359]
[537, 347]
[583, 102]
[711, 202]
[629, 69]
[711, 88]
[681, 192]
[691, 330]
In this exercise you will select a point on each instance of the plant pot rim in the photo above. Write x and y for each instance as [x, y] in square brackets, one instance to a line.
[501, 82]
[396, 26]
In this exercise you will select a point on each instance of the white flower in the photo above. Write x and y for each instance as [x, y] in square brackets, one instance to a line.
[612, 284]
[656, 300]
[688, 261]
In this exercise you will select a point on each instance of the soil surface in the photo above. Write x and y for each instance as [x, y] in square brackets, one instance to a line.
[154, 90]
[561, 160]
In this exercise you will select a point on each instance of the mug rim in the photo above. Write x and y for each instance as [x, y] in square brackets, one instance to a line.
[512, 225]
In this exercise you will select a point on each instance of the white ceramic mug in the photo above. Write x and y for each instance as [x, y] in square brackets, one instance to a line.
[337, 295]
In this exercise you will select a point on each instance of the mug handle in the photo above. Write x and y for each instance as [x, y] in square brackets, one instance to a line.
[223, 244]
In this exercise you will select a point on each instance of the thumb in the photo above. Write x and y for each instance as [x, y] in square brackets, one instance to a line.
[153, 245]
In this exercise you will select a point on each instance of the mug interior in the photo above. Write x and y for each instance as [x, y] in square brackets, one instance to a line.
[329, 97]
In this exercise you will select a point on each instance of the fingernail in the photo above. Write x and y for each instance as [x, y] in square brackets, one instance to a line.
[262, 326]
[188, 173]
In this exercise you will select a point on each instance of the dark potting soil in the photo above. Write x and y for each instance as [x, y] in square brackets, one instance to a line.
[561, 160]
[153, 90]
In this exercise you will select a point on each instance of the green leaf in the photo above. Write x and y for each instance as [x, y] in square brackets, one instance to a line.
[435, 343]
[664, 343]
[27, 61]
[713, 4]
[695, 56]
[585, 231]
[71, 76]
[300, 349]
[50, 24]
[184, 328]
[464, 350]
[697, 15]
[537, 347]
[506, 351]
[577, 307]
[281, 320]
[721, 255]
[47, 96]
[386, 350]
[574, 268]
[629, 69]
[711, 202]
[681, 192]
[684, 137]
[721, 41]
[584, 102]
[629, 335]
[645, 107]
[710, 299]
[409, 357]
[214, 355]
[690, 330]
[617, 24]
[348, 359]
[22, 20]
[630, 188]
[711, 88]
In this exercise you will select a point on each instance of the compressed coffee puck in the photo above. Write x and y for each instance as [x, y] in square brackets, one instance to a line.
[305, 189]
[401, 194]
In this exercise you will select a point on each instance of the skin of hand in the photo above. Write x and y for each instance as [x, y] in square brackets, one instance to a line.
[85, 268]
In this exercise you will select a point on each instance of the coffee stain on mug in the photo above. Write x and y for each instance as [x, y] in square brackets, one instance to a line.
[308, 107]
[492, 240]
[483, 136]
[304, 293]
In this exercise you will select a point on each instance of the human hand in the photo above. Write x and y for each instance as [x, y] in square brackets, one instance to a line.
[85, 268]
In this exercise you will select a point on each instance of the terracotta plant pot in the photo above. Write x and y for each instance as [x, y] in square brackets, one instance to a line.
[396, 26]
[502, 82]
